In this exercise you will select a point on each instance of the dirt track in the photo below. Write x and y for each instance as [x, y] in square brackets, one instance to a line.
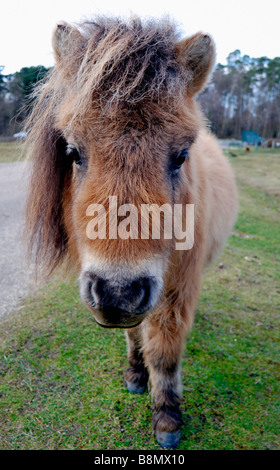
[15, 275]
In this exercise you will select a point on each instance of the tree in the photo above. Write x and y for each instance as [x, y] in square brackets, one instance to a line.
[244, 94]
[15, 91]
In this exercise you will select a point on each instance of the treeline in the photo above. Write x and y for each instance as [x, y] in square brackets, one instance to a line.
[15, 90]
[244, 94]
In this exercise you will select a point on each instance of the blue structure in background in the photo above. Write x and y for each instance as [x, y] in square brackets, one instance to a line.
[251, 137]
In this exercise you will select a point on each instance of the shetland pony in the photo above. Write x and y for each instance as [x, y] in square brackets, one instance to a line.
[117, 116]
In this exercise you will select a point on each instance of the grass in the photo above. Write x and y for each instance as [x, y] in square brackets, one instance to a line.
[62, 376]
[10, 151]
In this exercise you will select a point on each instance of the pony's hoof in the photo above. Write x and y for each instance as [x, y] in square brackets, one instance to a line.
[169, 440]
[134, 387]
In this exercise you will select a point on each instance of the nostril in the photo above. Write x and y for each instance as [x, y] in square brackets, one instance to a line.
[89, 287]
[135, 291]
[141, 293]
[122, 295]
[101, 293]
[145, 301]
[91, 295]
[94, 288]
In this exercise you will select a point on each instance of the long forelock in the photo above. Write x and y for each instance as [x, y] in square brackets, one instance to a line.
[126, 62]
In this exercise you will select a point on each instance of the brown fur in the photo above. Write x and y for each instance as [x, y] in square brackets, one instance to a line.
[124, 93]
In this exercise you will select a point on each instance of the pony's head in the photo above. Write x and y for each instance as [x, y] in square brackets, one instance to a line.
[109, 137]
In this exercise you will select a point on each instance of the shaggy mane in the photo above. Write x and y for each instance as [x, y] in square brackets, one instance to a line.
[126, 62]
[115, 63]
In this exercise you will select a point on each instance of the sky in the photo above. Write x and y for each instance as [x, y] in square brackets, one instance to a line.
[26, 26]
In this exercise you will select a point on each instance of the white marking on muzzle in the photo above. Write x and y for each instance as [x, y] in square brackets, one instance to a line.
[117, 273]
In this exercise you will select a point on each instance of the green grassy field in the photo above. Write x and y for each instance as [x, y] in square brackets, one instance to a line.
[61, 383]
[10, 151]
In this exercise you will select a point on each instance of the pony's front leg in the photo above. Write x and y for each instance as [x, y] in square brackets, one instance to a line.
[163, 345]
[136, 376]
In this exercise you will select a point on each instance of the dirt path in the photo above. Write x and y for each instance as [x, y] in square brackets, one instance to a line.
[15, 274]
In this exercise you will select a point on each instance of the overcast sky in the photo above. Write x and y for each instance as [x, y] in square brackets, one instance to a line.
[253, 26]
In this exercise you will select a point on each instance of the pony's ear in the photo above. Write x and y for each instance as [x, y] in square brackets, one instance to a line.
[197, 54]
[63, 36]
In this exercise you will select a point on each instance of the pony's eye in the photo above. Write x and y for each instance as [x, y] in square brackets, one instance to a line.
[73, 152]
[179, 159]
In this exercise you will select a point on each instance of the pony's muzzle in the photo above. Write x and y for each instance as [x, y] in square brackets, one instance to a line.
[118, 303]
